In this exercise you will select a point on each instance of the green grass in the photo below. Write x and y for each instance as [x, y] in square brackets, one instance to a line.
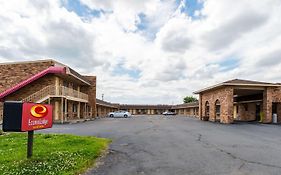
[52, 154]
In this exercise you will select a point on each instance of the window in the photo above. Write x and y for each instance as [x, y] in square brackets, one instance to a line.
[207, 110]
[218, 109]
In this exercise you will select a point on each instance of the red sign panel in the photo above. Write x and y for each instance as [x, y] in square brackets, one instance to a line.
[36, 116]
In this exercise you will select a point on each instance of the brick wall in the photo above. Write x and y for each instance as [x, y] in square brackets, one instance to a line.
[12, 74]
[102, 111]
[276, 94]
[225, 96]
[277, 99]
[189, 111]
[91, 91]
[247, 112]
[268, 96]
[32, 87]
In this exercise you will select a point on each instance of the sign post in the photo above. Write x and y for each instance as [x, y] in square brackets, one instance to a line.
[30, 144]
[22, 117]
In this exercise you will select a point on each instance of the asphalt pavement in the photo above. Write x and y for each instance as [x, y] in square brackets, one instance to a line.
[176, 145]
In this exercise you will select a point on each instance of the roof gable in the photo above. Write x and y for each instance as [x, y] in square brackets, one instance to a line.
[240, 81]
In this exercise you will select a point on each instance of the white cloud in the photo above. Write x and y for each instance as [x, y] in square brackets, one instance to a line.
[174, 53]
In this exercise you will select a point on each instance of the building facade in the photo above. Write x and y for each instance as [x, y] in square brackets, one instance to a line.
[72, 95]
[104, 107]
[187, 109]
[135, 109]
[240, 100]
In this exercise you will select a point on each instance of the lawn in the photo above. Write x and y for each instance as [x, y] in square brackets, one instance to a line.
[52, 154]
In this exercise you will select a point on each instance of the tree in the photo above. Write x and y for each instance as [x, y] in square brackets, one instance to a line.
[189, 99]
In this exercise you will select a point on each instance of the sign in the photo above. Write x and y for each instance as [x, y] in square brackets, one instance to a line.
[21, 117]
[36, 116]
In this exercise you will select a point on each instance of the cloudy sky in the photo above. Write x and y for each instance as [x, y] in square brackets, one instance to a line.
[148, 51]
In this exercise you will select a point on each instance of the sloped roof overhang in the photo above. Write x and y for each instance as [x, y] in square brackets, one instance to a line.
[236, 84]
[50, 70]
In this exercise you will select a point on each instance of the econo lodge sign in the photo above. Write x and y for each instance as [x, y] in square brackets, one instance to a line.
[21, 117]
[36, 116]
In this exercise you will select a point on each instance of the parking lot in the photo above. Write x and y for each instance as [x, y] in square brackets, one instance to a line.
[182, 145]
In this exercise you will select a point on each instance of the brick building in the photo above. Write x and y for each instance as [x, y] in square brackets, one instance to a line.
[136, 109]
[72, 95]
[104, 107]
[240, 100]
[187, 109]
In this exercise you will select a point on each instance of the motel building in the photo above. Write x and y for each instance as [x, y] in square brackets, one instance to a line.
[73, 96]
[146, 109]
[104, 107]
[240, 100]
[187, 109]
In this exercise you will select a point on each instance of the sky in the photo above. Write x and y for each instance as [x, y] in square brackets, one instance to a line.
[148, 51]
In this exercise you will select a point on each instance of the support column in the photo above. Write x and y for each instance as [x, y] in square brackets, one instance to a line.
[56, 111]
[91, 112]
[212, 109]
[98, 111]
[66, 109]
[57, 86]
[62, 114]
[200, 107]
[266, 115]
[227, 107]
[78, 110]
[85, 109]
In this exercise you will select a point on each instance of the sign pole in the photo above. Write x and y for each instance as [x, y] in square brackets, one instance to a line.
[30, 144]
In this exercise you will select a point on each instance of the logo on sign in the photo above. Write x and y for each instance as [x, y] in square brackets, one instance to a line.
[38, 111]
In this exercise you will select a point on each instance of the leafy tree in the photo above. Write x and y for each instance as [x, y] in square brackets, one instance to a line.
[189, 99]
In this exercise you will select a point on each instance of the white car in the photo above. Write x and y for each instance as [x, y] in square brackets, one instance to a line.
[124, 114]
[169, 113]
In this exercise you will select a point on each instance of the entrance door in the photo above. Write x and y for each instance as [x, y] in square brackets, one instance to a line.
[258, 112]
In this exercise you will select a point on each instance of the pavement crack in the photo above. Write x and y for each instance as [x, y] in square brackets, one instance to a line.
[247, 161]
[241, 166]
[199, 138]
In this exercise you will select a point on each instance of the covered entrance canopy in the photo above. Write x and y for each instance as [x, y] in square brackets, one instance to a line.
[248, 102]
[241, 100]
